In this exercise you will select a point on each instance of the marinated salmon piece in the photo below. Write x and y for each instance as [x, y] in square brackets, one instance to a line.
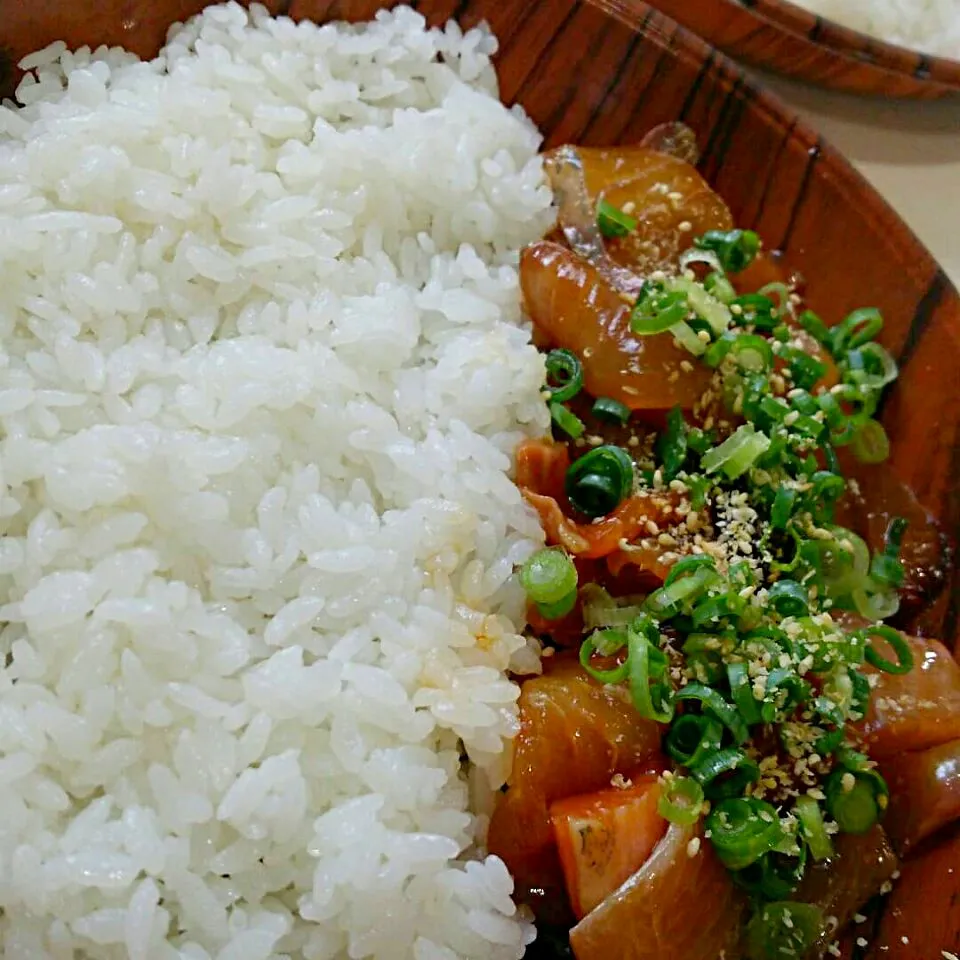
[924, 793]
[572, 306]
[574, 736]
[840, 886]
[665, 194]
[605, 837]
[680, 905]
[914, 710]
[921, 917]
[924, 552]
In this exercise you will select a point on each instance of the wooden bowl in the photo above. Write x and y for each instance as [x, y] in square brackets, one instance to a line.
[785, 38]
[604, 72]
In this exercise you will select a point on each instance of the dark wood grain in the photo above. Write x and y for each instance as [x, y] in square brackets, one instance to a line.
[783, 37]
[604, 72]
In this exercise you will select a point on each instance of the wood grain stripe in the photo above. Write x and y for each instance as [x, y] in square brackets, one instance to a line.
[939, 288]
[813, 155]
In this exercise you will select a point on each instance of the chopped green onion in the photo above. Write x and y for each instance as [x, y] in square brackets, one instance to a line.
[774, 876]
[649, 690]
[692, 738]
[755, 310]
[742, 830]
[558, 609]
[741, 689]
[712, 701]
[612, 221]
[568, 422]
[813, 828]
[610, 410]
[737, 453]
[674, 595]
[671, 445]
[870, 443]
[872, 365]
[687, 565]
[886, 567]
[873, 603]
[687, 338]
[783, 930]
[548, 576]
[681, 801]
[716, 608]
[597, 483]
[857, 329]
[805, 370]
[784, 504]
[735, 249]
[708, 308]
[717, 285]
[565, 370]
[789, 598]
[815, 327]
[852, 801]
[741, 768]
[897, 641]
[666, 316]
[612, 641]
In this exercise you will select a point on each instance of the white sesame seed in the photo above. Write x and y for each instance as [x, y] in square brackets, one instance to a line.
[693, 847]
[684, 226]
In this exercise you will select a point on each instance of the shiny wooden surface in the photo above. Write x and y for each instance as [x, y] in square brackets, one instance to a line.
[605, 71]
[781, 36]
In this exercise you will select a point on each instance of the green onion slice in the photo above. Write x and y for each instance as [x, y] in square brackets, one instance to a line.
[896, 640]
[609, 641]
[742, 830]
[564, 375]
[737, 453]
[649, 689]
[783, 930]
[610, 410]
[598, 482]
[870, 443]
[741, 689]
[548, 576]
[812, 827]
[681, 801]
[734, 765]
[735, 249]
[568, 422]
[671, 445]
[789, 598]
[713, 702]
[692, 738]
[612, 221]
[852, 801]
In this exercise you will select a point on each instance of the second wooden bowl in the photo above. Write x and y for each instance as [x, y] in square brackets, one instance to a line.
[780, 36]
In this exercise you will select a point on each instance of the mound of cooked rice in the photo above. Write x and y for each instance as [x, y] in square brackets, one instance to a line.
[262, 370]
[932, 26]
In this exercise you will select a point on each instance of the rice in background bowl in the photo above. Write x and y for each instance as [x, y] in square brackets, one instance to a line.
[931, 26]
[262, 370]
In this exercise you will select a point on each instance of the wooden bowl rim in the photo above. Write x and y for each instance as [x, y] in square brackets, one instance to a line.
[833, 37]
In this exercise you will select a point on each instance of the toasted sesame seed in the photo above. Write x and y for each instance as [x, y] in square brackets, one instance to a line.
[684, 226]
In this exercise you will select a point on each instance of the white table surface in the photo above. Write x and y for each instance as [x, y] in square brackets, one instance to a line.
[910, 151]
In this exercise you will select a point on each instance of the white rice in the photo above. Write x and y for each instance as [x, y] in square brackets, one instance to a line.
[932, 26]
[262, 370]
